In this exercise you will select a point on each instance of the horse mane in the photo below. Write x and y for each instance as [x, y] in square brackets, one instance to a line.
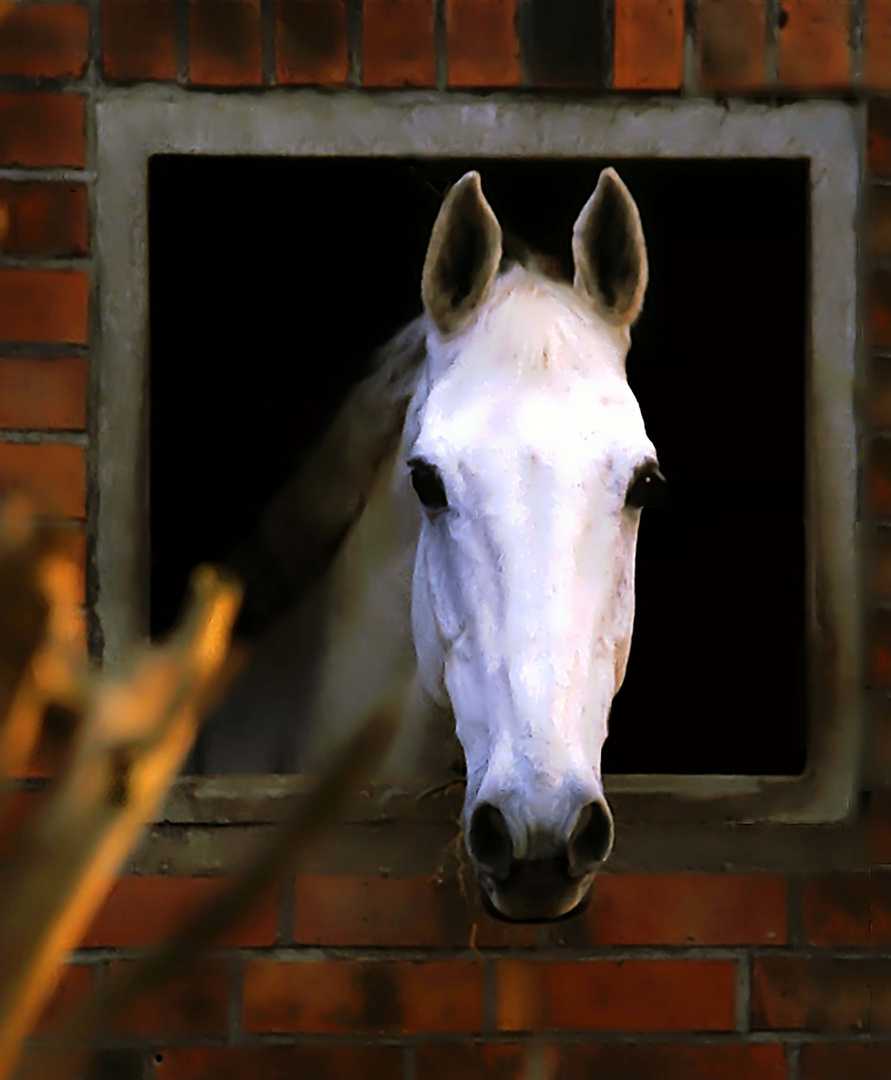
[307, 521]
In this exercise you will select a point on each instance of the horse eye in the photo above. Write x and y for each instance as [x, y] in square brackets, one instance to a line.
[427, 482]
[649, 488]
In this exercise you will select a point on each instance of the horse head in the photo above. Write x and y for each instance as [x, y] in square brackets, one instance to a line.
[528, 453]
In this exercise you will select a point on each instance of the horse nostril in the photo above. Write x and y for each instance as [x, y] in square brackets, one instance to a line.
[591, 840]
[490, 842]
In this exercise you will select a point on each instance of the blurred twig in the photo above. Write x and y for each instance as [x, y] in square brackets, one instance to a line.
[138, 726]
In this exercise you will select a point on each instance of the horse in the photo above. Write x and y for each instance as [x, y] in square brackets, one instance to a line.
[477, 502]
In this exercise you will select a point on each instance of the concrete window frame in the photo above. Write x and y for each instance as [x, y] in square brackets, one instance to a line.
[134, 124]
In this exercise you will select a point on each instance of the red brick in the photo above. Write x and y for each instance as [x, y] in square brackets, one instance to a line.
[878, 222]
[311, 42]
[17, 810]
[881, 309]
[44, 306]
[43, 394]
[879, 476]
[845, 1061]
[374, 911]
[483, 49]
[193, 1003]
[732, 36]
[397, 43]
[878, 153]
[880, 561]
[815, 44]
[73, 988]
[877, 45]
[279, 1063]
[646, 1061]
[836, 910]
[224, 43]
[878, 751]
[880, 908]
[53, 475]
[142, 910]
[880, 650]
[649, 45]
[877, 828]
[44, 218]
[793, 993]
[347, 996]
[616, 995]
[471, 1061]
[681, 909]
[139, 40]
[42, 129]
[45, 40]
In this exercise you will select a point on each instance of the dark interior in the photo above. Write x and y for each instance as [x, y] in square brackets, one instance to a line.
[272, 279]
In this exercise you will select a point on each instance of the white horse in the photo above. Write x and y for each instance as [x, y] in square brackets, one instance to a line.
[482, 490]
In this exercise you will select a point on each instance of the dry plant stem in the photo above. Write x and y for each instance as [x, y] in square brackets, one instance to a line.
[138, 727]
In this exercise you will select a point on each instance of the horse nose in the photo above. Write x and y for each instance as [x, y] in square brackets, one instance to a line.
[591, 839]
[490, 841]
[551, 885]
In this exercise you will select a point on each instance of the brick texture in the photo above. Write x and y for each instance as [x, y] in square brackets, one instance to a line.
[881, 555]
[44, 306]
[879, 643]
[195, 1002]
[45, 41]
[279, 1063]
[345, 996]
[879, 476]
[41, 129]
[474, 1061]
[53, 475]
[140, 910]
[607, 995]
[881, 309]
[840, 1061]
[794, 993]
[483, 48]
[649, 45]
[139, 40]
[840, 910]
[417, 911]
[397, 43]
[878, 411]
[815, 44]
[311, 42]
[681, 909]
[877, 45]
[72, 990]
[667, 1062]
[567, 52]
[878, 222]
[732, 36]
[878, 154]
[19, 809]
[43, 394]
[224, 43]
[44, 218]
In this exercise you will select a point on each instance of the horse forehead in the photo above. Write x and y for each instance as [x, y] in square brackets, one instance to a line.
[573, 421]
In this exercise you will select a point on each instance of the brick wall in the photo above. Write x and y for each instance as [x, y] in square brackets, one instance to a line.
[780, 972]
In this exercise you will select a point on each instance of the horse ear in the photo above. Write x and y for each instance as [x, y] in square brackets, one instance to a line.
[609, 251]
[462, 257]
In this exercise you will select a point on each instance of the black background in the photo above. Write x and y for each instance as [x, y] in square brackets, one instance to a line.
[272, 279]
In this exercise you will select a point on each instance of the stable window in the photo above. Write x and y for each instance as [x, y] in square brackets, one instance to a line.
[739, 686]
